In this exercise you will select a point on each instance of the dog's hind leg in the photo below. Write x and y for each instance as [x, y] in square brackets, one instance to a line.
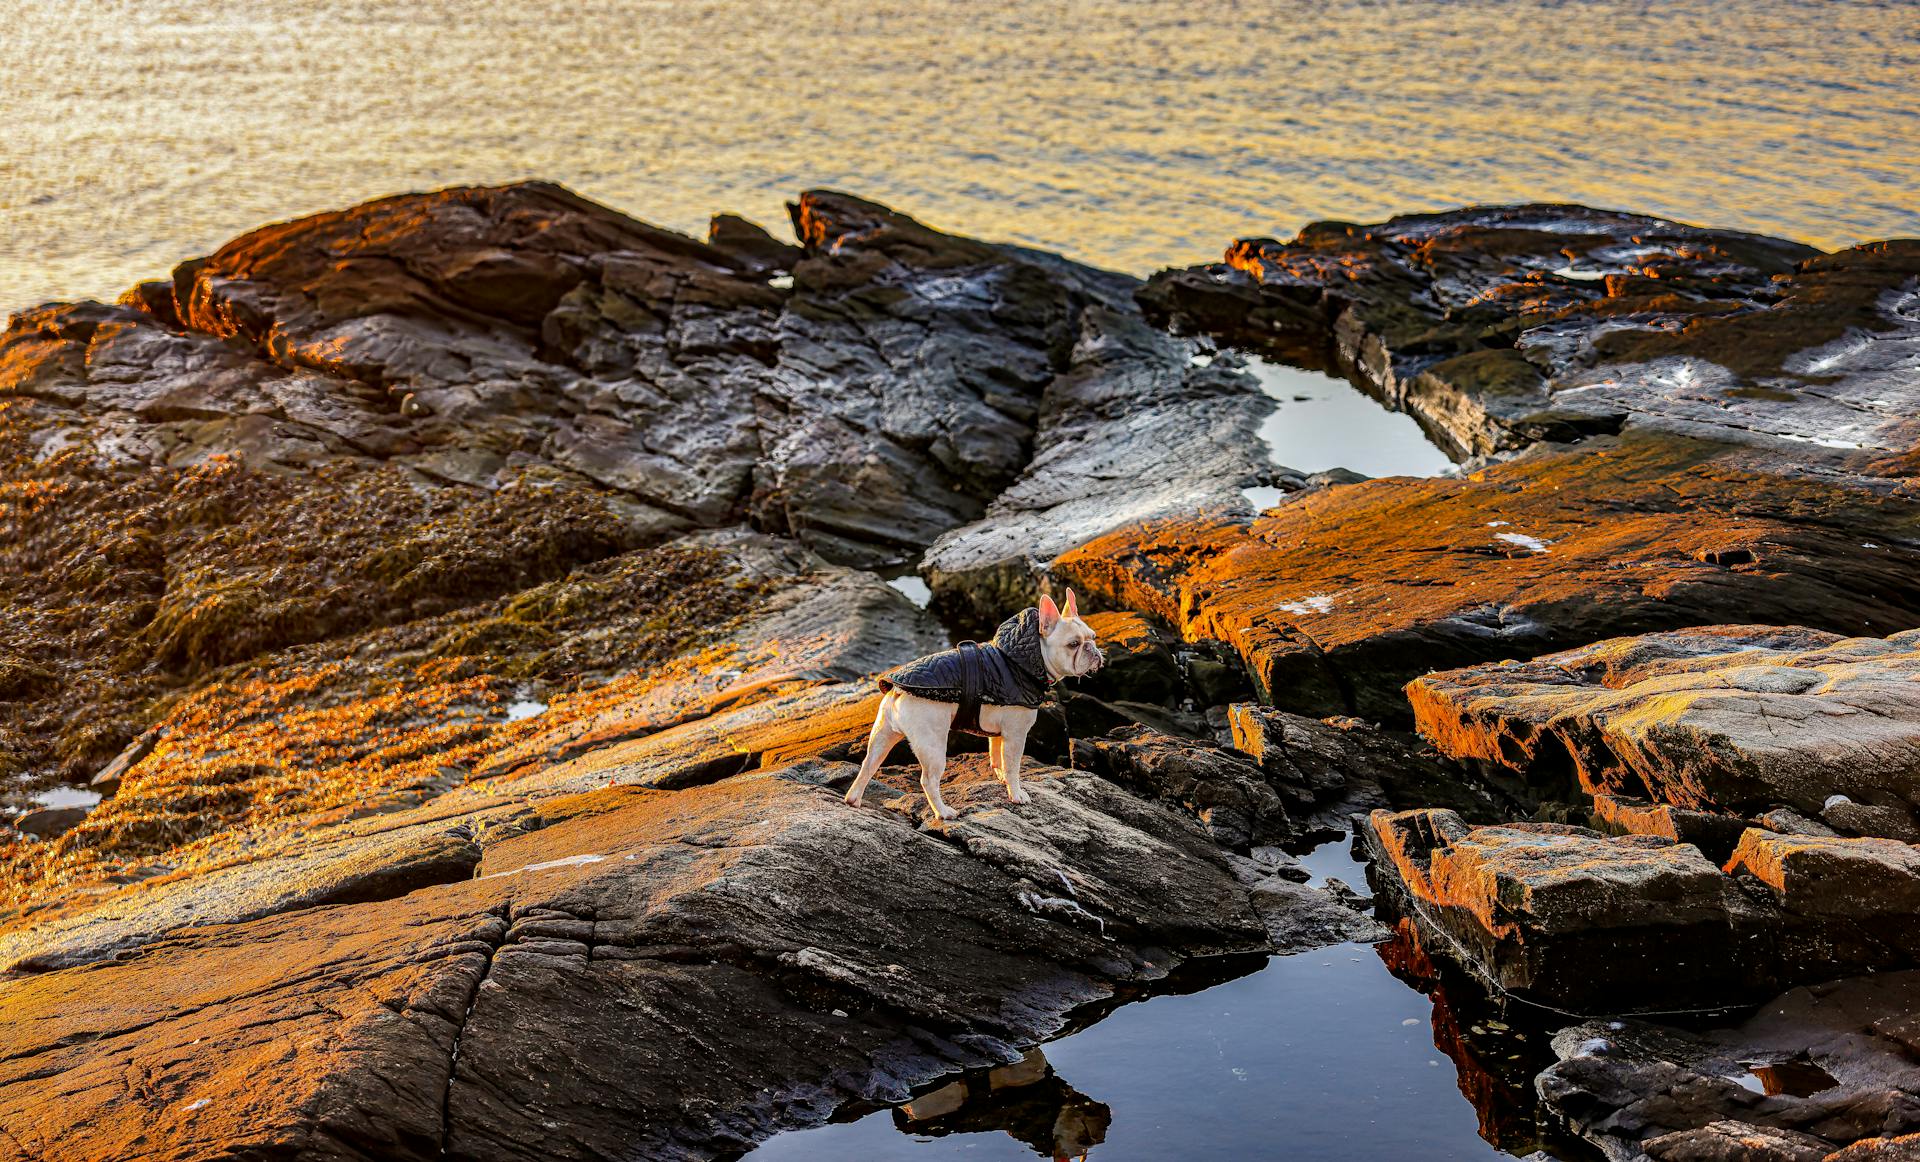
[880, 740]
[933, 767]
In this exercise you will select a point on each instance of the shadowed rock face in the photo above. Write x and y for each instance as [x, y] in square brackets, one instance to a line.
[1814, 1070]
[1731, 720]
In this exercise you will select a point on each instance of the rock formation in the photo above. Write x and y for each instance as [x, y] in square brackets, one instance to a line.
[1577, 920]
[459, 599]
[1719, 720]
[468, 603]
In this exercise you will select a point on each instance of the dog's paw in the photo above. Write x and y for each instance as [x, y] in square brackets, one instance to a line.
[947, 814]
[850, 799]
[1019, 797]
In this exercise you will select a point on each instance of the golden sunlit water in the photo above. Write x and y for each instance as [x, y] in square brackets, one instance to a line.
[1134, 135]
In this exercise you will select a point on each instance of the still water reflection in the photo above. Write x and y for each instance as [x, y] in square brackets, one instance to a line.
[1326, 1056]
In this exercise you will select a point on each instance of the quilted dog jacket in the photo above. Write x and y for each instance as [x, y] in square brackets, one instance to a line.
[1008, 671]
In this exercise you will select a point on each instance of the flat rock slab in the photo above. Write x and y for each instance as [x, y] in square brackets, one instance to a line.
[660, 974]
[1728, 720]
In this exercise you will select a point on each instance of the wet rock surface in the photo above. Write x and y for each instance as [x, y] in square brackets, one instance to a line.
[1500, 326]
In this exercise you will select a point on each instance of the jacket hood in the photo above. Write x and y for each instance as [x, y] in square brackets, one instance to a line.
[1019, 638]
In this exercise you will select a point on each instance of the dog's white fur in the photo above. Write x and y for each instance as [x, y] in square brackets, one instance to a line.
[1068, 649]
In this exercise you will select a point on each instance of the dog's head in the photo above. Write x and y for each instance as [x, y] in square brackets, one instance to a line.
[1067, 643]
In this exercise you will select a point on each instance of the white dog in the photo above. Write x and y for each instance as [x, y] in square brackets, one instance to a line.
[993, 690]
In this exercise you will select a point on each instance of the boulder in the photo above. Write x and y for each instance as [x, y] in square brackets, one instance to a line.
[1855, 899]
[106, 780]
[1226, 793]
[48, 822]
[1736, 1142]
[1574, 919]
[1905, 1148]
[1586, 922]
[1715, 835]
[1300, 918]
[1723, 720]
[1326, 770]
[1140, 665]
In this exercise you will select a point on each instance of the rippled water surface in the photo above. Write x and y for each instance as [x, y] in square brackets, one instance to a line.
[1131, 134]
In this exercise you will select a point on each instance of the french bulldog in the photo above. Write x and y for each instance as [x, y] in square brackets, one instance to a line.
[1010, 678]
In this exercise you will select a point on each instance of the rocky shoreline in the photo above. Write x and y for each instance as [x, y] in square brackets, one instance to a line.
[467, 603]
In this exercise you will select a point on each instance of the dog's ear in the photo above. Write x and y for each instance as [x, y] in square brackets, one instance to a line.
[1049, 614]
[1073, 606]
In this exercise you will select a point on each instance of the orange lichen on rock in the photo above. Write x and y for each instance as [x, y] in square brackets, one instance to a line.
[1340, 595]
[260, 753]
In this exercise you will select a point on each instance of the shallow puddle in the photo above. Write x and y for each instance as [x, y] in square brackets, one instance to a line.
[1321, 1057]
[913, 588]
[1325, 423]
[1797, 1078]
[67, 797]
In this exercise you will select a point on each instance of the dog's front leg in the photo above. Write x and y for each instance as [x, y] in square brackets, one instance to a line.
[1015, 747]
[997, 755]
